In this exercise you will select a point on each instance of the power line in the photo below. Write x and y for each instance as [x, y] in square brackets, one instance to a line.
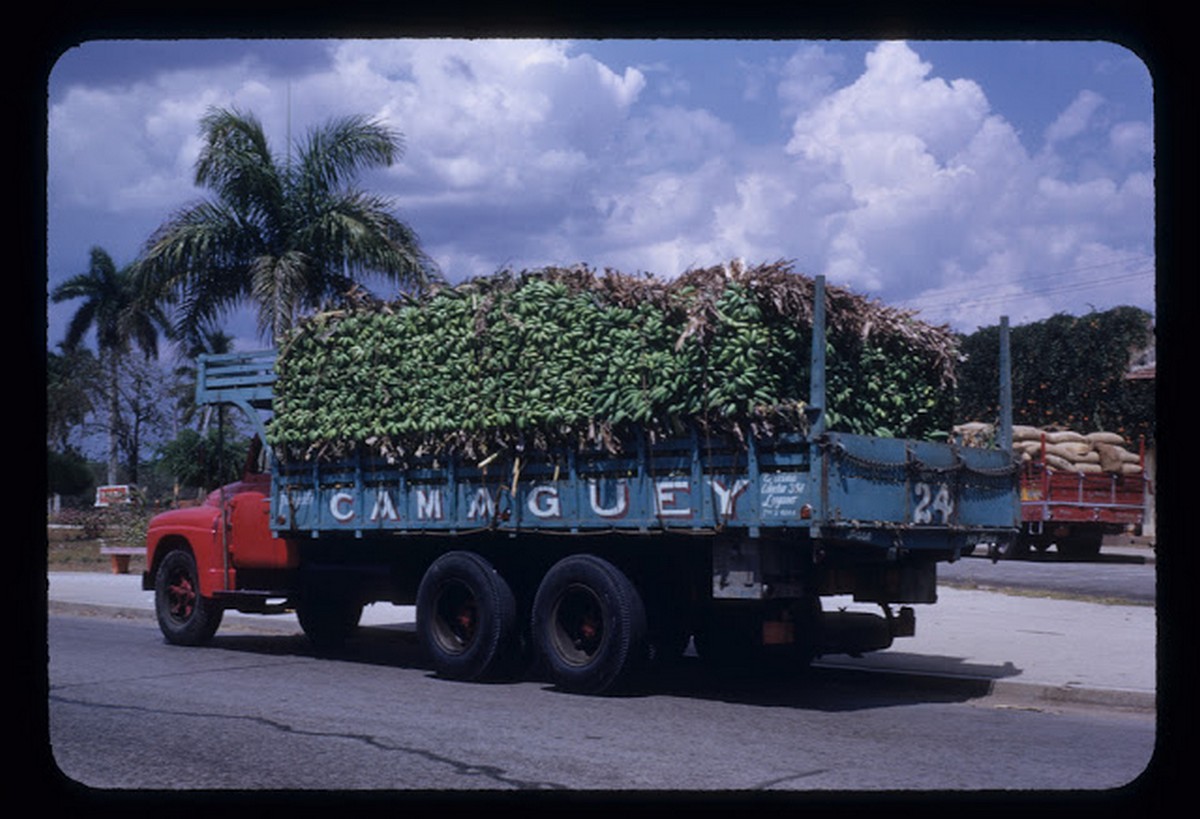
[999, 298]
[947, 296]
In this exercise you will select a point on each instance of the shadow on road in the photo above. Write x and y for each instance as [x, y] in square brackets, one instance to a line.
[818, 688]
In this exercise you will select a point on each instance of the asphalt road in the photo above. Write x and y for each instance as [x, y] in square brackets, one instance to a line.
[260, 711]
[1129, 577]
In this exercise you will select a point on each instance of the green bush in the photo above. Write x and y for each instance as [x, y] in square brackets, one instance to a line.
[1068, 372]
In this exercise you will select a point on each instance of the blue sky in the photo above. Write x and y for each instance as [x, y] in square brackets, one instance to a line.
[965, 180]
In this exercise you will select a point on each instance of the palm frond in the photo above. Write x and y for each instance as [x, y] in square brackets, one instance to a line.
[339, 150]
[236, 163]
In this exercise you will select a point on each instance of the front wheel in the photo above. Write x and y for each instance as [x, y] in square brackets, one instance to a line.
[589, 624]
[184, 616]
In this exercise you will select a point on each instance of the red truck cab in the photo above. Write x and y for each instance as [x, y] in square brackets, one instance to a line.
[196, 554]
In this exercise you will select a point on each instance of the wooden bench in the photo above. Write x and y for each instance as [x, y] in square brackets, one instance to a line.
[120, 556]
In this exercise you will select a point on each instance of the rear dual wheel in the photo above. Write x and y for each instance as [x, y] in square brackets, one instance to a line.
[467, 617]
[589, 625]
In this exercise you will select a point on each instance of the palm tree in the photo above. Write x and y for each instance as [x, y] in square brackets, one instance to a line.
[288, 236]
[122, 315]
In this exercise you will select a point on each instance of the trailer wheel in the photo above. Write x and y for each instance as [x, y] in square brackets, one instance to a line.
[184, 616]
[589, 625]
[328, 621]
[466, 617]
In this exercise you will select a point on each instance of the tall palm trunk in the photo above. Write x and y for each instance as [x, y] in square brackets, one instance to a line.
[114, 410]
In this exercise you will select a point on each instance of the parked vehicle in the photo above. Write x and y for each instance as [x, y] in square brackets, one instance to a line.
[592, 564]
[1073, 511]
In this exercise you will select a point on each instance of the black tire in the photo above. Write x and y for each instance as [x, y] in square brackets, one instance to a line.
[589, 625]
[184, 616]
[467, 618]
[328, 621]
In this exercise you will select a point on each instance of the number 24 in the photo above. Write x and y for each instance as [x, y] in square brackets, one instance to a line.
[929, 503]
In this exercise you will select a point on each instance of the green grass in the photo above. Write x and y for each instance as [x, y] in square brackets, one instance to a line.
[80, 554]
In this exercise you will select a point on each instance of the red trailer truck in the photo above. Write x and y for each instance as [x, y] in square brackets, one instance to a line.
[1074, 510]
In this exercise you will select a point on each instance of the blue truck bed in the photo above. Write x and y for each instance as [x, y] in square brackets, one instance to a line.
[867, 490]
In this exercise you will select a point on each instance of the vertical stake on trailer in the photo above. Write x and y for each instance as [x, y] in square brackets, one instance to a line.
[816, 405]
[1006, 407]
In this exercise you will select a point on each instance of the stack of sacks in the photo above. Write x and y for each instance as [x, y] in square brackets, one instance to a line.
[1070, 451]
[1066, 450]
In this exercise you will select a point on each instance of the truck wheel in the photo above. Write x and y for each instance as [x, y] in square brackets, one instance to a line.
[328, 621]
[589, 624]
[185, 618]
[466, 617]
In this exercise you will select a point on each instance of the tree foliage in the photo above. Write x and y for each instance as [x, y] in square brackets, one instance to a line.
[72, 376]
[123, 314]
[286, 233]
[198, 460]
[1068, 372]
[67, 473]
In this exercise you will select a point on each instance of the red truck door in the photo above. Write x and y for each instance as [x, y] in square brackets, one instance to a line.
[251, 545]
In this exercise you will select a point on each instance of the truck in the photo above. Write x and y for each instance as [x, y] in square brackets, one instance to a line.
[1073, 511]
[588, 566]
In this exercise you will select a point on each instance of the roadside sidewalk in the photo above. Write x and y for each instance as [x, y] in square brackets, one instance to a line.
[1021, 648]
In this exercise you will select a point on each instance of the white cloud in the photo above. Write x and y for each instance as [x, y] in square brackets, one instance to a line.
[1076, 118]
[522, 153]
[806, 78]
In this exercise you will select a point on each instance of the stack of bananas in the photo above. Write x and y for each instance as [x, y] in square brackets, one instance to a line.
[573, 356]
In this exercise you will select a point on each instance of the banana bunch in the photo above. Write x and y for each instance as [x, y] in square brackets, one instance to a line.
[575, 357]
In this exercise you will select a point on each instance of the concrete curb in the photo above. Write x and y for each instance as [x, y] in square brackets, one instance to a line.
[1010, 692]
[999, 692]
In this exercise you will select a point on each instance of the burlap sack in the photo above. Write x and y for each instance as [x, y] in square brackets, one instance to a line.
[1028, 447]
[1105, 438]
[1072, 450]
[1026, 433]
[1129, 457]
[975, 433]
[1059, 463]
[1110, 457]
[1064, 436]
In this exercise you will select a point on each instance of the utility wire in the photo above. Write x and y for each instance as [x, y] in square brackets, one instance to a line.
[948, 296]
[941, 299]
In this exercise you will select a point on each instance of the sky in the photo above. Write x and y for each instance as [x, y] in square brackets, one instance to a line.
[963, 180]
